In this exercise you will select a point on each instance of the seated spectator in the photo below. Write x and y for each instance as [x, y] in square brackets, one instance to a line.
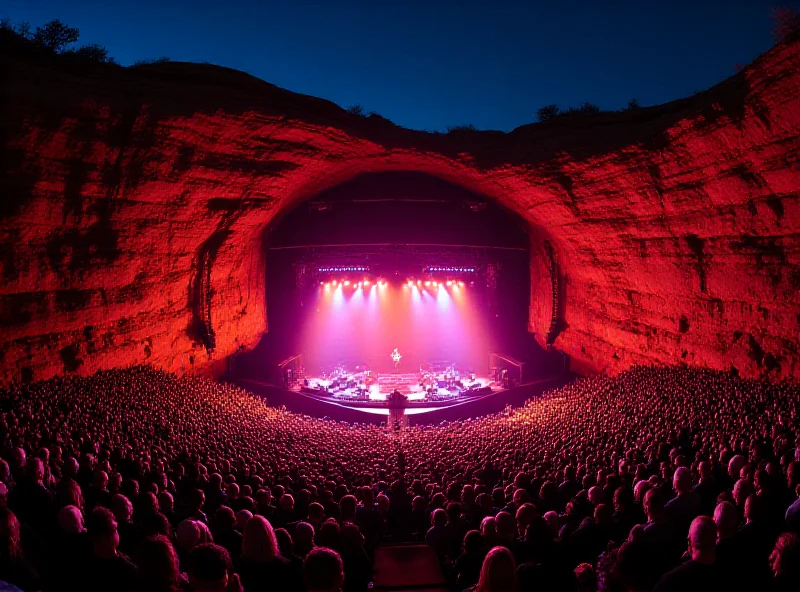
[347, 507]
[750, 547]
[166, 506]
[129, 536]
[685, 506]
[436, 536]
[303, 538]
[30, 499]
[97, 493]
[195, 502]
[323, 571]
[187, 536]
[107, 569]
[700, 572]
[158, 566]
[455, 530]
[489, 532]
[369, 520]
[329, 535]
[287, 551]
[70, 549]
[498, 572]
[792, 515]
[14, 566]
[316, 515]
[224, 532]
[261, 565]
[242, 518]
[785, 563]
[468, 565]
[586, 578]
[210, 570]
[357, 564]
[285, 513]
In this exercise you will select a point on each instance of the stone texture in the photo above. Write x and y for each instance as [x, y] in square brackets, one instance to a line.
[135, 203]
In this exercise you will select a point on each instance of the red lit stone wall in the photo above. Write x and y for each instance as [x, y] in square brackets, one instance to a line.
[135, 202]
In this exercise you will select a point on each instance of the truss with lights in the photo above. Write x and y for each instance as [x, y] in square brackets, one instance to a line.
[357, 266]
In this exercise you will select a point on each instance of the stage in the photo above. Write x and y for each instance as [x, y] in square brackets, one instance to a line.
[432, 386]
[315, 404]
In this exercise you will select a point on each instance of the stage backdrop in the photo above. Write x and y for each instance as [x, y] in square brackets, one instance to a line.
[363, 325]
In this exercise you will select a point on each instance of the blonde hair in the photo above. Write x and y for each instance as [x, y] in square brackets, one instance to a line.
[259, 542]
[499, 572]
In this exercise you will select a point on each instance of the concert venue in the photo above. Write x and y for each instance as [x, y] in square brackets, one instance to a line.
[251, 340]
[421, 293]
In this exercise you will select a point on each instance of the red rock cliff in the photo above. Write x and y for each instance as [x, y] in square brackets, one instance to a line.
[134, 203]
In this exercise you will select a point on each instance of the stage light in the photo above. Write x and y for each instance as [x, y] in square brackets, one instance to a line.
[382, 284]
[410, 283]
[427, 283]
[366, 282]
[419, 282]
[449, 282]
[360, 284]
[334, 282]
[461, 284]
[435, 283]
[346, 283]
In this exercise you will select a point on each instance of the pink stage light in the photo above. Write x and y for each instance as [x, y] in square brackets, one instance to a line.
[461, 284]
[435, 283]
[334, 282]
[427, 283]
[449, 282]
[410, 283]
[366, 282]
[346, 283]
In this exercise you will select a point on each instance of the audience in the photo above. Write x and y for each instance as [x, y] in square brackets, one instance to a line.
[660, 478]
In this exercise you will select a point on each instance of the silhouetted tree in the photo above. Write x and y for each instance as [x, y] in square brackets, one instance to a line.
[56, 36]
[94, 52]
[633, 104]
[548, 113]
[785, 21]
[356, 110]
[585, 109]
[23, 29]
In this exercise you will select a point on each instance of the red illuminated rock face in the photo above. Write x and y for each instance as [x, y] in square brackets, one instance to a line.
[134, 205]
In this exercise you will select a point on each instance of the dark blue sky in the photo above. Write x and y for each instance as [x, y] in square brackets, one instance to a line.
[431, 64]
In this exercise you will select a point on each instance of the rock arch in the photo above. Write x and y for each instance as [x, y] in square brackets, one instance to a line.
[136, 201]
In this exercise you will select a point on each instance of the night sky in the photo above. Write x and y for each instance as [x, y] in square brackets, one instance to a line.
[433, 64]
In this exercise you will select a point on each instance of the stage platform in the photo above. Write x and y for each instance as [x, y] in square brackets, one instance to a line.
[311, 403]
[381, 386]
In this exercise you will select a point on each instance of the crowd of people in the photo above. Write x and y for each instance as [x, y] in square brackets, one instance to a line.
[657, 479]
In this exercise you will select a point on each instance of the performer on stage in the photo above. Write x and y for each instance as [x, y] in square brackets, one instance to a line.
[396, 358]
